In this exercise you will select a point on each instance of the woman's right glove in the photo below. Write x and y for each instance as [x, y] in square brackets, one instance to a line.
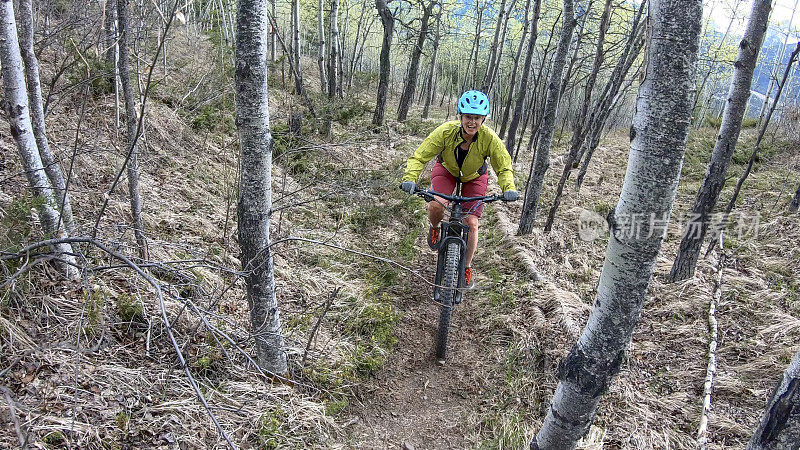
[510, 196]
[408, 186]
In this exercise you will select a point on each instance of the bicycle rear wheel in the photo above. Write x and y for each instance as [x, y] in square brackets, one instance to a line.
[447, 295]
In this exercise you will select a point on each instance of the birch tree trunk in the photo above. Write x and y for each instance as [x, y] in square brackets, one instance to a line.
[255, 188]
[131, 125]
[534, 189]
[607, 100]
[387, 19]
[579, 128]
[273, 33]
[659, 134]
[334, 54]
[714, 181]
[411, 80]
[512, 83]
[51, 166]
[431, 79]
[511, 142]
[296, 37]
[323, 77]
[490, 72]
[780, 425]
[16, 108]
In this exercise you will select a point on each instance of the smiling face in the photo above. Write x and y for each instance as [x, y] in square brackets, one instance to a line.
[470, 123]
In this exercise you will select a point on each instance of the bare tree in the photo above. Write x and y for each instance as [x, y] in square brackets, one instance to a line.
[323, 77]
[387, 19]
[16, 108]
[497, 43]
[579, 129]
[411, 80]
[780, 425]
[761, 132]
[255, 189]
[659, 134]
[542, 162]
[714, 181]
[333, 57]
[51, 166]
[132, 128]
[431, 79]
[512, 83]
[511, 142]
[611, 93]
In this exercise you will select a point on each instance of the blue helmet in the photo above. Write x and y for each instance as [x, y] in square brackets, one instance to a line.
[474, 102]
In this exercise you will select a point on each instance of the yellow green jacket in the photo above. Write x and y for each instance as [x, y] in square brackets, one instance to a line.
[446, 138]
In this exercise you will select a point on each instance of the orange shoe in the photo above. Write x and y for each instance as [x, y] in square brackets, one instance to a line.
[433, 238]
[468, 277]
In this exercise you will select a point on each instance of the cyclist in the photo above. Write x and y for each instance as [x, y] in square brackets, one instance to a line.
[461, 148]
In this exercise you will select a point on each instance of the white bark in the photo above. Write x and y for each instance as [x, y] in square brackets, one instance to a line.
[132, 128]
[659, 134]
[542, 161]
[255, 189]
[334, 54]
[323, 78]
[16, 107]
[51, 166]
[714, 181]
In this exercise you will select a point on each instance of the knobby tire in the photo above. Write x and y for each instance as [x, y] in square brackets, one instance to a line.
[447, 296]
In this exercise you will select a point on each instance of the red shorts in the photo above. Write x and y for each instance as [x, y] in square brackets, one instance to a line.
[445, 183]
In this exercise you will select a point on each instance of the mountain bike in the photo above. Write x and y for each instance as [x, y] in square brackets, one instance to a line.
[449, 282]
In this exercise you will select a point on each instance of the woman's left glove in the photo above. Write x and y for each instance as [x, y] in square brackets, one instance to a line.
[408, 186]
[510, 196]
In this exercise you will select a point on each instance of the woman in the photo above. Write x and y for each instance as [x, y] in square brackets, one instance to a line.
[462, 147]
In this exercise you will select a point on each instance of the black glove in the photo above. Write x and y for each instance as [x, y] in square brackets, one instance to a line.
[510, 196]
[408, 186]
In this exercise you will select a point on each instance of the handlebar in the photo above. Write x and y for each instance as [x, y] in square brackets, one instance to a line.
[431, 195]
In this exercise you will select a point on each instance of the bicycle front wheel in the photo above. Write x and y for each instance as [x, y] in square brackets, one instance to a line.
[447, 296]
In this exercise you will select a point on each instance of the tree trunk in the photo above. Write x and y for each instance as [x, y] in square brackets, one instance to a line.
[273, 33]
[780, 425]
[387, 19]
[523, 84]
[295, 55]
[762, 131]
[334, 54]
[132, 128]
[714, 181]
[411, 80]
[352, 66]
[579, 129]
[606, 102]
[15, 105]
[659, 135]
[512, 83]
[255, 189]
[323, 77]
[776, 65]
[533, 192]
[51, 166]
[431, 79]
[489, 74]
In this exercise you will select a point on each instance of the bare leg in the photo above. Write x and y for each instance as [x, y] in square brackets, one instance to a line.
[472, 242]
[435, 212]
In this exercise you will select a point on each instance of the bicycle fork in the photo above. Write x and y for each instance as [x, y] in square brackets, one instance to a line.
[448, 236]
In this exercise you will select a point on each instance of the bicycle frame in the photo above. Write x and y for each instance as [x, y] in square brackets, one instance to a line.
[454, 229]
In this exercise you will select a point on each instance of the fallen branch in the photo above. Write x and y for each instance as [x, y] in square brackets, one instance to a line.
[711, 370]
[23, 438]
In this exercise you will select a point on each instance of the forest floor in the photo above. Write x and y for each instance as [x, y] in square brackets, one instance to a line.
[90, 365]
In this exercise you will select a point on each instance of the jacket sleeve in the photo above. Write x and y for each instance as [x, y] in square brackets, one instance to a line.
[501, 163]
[430, 147]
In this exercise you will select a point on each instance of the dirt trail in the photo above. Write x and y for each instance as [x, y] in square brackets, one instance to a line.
[415, 401]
